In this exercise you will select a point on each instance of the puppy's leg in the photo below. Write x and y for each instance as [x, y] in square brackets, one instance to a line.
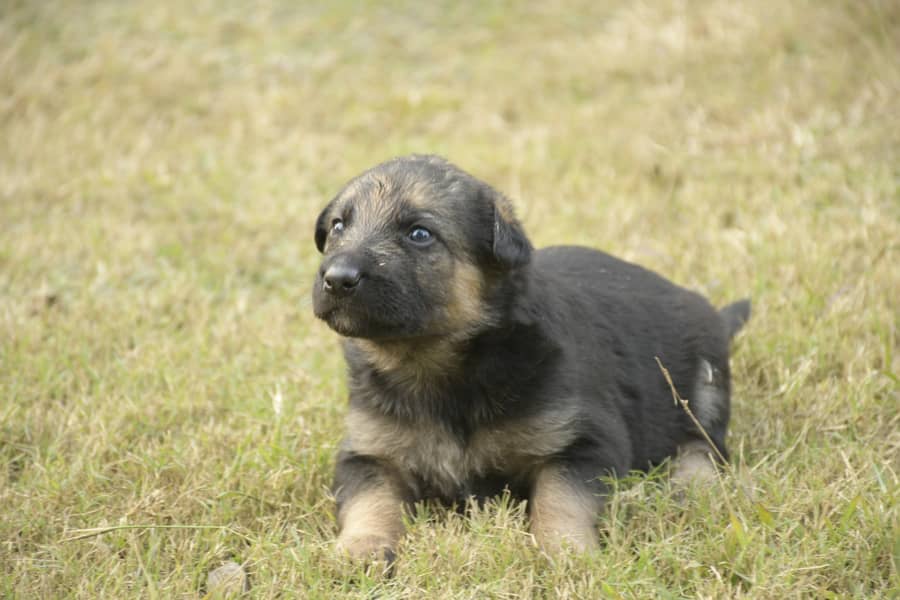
[694, 463]
[564, 508]
[371, 497]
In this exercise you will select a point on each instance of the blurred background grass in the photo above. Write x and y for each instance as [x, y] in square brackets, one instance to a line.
[161, 166]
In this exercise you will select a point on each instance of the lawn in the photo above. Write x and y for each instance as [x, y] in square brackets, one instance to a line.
[161, 373]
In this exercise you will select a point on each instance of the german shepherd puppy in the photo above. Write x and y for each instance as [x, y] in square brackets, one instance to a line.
[478, 365]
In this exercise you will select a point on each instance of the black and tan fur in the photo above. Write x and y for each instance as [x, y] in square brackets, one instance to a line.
[478, 365]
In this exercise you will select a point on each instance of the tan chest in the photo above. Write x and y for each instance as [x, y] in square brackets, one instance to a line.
[433, 453]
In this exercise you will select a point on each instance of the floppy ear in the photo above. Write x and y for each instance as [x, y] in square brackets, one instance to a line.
[322, 227]
[511, 247]
[509, 244]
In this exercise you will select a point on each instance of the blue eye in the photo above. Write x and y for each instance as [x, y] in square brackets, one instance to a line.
[419, 235]
[337, 226]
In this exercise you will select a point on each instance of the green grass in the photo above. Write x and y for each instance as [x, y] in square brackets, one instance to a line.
[161, 167]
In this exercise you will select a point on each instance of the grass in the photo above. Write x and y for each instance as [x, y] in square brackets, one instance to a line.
[161, 166]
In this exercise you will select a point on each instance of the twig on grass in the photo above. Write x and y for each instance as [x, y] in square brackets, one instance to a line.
[724, 462]
[684, 404]
[89, 532]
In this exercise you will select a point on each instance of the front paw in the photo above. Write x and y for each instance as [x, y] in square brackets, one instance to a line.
[367, 547]
[556, 542]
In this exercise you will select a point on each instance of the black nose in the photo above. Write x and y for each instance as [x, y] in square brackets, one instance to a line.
[341, 278]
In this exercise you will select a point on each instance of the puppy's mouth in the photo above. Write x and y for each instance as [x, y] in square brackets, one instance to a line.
[350, 317]
[339, 320]
[336, 312]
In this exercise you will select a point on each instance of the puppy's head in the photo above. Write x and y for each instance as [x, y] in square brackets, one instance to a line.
[409, 247]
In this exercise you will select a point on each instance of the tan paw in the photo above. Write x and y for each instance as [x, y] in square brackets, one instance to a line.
[693, 464]
[553, 542]
[367, 547]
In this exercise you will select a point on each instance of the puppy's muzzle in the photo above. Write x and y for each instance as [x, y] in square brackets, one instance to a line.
[341, 276]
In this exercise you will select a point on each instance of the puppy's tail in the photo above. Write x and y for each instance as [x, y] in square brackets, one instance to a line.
[735, 315]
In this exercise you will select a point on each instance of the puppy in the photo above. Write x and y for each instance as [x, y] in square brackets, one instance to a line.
[478, 365]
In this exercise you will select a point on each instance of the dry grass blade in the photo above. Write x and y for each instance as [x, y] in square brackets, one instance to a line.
[679, 401]
[89, 532]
